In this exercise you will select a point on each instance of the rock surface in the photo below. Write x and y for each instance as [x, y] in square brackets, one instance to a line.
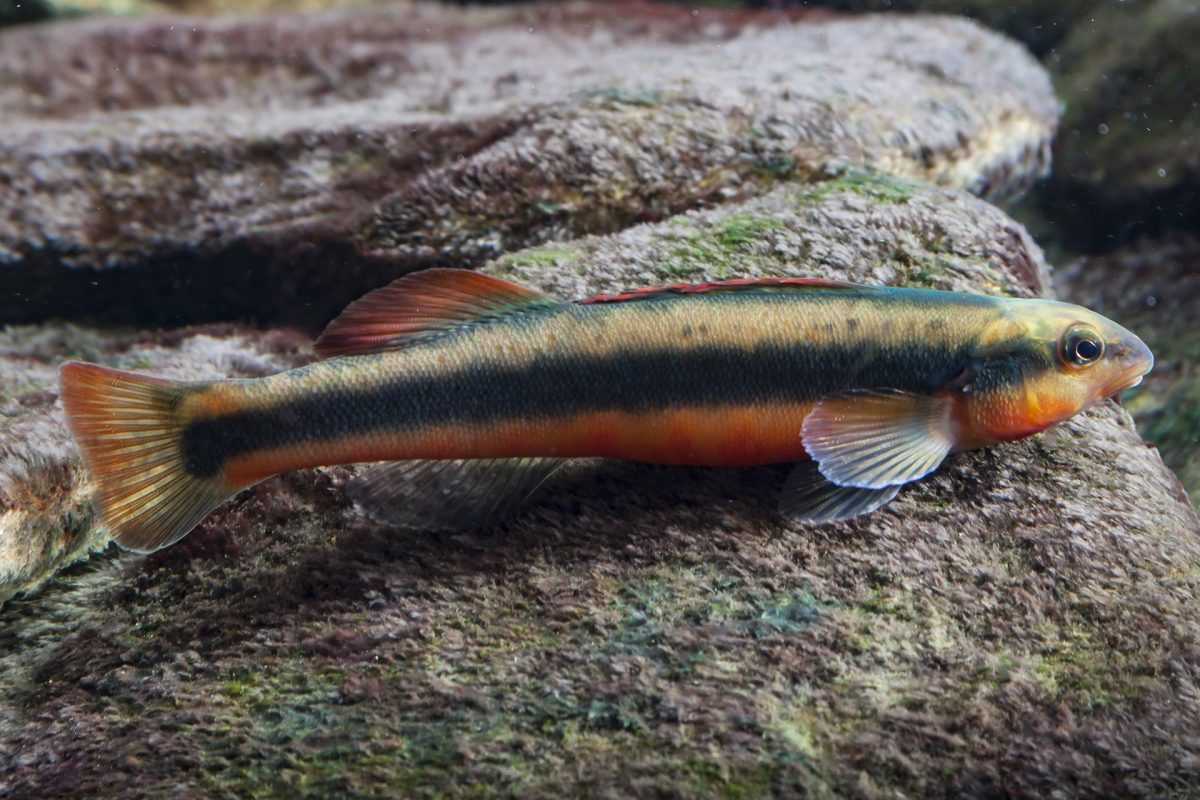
[138, 154]
[1026, 619]
[1154, 287]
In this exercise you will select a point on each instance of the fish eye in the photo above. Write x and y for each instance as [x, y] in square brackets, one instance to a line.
[1081, 347]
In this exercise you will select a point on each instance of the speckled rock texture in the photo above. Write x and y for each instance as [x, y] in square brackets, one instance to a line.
[1154, 287]
[275, 168]
[1022, 623]
[1128, 158]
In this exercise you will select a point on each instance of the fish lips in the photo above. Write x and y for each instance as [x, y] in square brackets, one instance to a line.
[1136, 361]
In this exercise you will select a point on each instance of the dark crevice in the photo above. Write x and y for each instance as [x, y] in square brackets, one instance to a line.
[305, 285]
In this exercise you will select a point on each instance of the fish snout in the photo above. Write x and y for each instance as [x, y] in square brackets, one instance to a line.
[1133, 359]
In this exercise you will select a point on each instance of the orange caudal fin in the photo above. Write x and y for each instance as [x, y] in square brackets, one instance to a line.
[130, 429]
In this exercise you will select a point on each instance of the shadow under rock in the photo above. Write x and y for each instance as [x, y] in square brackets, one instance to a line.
[305, 282]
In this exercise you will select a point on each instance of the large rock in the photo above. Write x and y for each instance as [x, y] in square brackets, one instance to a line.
[1154, 287]
[139, 154]
[1023, 621]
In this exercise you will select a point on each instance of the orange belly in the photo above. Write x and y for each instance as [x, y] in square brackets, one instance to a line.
[710, 437]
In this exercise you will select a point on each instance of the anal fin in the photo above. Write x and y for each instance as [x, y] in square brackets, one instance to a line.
[808, 496]
[450, 494]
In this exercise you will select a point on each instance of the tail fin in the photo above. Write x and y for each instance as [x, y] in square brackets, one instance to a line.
[130, 429]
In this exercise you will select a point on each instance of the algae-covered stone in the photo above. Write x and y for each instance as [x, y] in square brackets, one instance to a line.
[139, 154]
[1128, 158]
[1154, 287]
[1025, 619]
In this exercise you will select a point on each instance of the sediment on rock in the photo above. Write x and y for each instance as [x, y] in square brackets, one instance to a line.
[136, 154]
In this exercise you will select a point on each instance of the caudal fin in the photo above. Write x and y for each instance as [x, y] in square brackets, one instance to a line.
[130, 429]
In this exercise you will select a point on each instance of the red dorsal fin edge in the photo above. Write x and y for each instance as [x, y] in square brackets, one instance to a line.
[716, 287]
[424, 303]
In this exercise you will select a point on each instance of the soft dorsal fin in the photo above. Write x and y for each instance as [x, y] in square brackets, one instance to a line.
[423, 303]
[734, 285]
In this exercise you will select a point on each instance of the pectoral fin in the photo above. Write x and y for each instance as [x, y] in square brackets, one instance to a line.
[451, 494]
[876, 439]
[809, 497]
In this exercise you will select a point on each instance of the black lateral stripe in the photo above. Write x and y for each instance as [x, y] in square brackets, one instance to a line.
[565, 386]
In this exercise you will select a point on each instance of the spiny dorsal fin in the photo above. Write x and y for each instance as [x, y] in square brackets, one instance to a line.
[735, 285]
[423, 303]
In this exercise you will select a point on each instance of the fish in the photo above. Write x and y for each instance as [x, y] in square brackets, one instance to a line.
[464, 392]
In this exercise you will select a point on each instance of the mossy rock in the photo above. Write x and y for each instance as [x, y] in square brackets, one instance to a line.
[1026, 618]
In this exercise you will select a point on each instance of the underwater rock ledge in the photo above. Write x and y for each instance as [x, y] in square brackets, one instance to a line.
[1025, 619]
[143, 182]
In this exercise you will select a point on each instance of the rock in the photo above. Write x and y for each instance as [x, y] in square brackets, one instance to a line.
[137, 153]
[1024, 619]
[1128, 158]
[1154, 286]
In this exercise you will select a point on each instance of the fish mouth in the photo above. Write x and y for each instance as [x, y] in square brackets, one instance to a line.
[1140, 361]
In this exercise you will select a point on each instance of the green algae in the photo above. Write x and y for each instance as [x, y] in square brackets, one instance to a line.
[720, 250]
[881, 186]
[547, 256]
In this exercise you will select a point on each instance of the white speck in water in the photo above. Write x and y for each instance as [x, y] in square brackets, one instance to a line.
[1102, 128]
[1162, 173]
[695, 12]
[1151, 300]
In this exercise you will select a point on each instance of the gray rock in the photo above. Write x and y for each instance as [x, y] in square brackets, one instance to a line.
[1025, 619]
[139, 155]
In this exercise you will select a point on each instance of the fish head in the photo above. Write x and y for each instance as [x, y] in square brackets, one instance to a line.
[1044, 361]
